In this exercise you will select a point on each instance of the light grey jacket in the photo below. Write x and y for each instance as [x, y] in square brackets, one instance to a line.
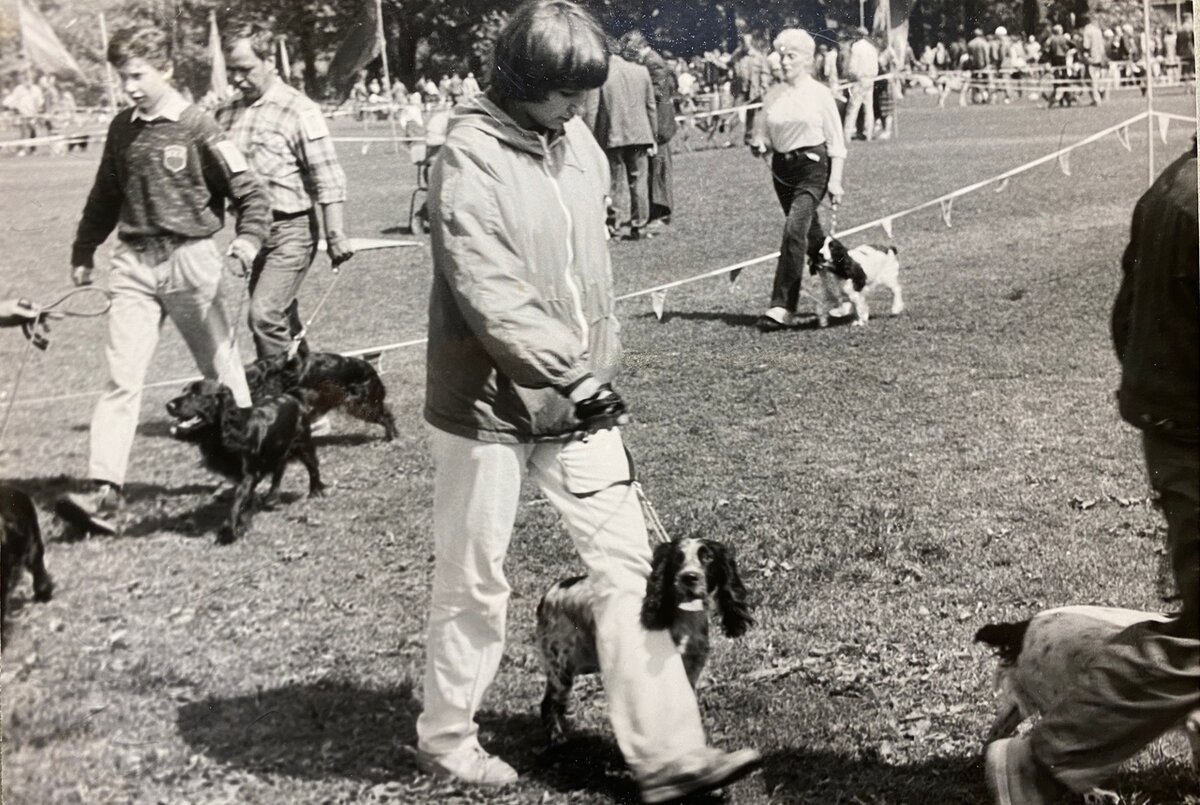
[522, 298]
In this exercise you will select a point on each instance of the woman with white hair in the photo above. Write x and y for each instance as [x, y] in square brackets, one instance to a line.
[800, 127]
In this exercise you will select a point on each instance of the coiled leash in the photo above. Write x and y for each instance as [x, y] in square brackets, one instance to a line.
[89, 302]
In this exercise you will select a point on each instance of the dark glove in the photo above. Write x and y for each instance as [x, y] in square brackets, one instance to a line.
[603, 409]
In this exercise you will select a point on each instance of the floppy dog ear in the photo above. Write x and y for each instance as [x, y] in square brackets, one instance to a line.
[658, 607]
[731, 593]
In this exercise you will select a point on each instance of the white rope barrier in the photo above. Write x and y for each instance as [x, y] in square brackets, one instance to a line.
[883, 221]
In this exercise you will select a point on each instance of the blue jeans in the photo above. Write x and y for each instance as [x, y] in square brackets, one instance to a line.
[275, 280]
[1148, 677]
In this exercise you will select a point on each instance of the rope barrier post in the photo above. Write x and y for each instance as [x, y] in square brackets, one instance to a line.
[1149, 96]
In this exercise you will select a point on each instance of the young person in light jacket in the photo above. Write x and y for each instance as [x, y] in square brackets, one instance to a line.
[523, 344]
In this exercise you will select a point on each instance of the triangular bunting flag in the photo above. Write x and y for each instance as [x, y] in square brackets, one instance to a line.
[366, 147]
[1123, 136]
[733, 275]
[657, 300]
[886, 223]
[946, 204]
[375, 359]
[1000, 188]
[1164, 123]
[1064, 162]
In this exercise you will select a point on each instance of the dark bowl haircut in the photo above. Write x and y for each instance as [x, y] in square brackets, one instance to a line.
[151, 45]
[548, 45]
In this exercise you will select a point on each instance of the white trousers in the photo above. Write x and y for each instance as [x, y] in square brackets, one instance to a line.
[476, 492]
[147, 286]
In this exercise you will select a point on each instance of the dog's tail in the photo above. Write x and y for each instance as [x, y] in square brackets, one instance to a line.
[1005, 638]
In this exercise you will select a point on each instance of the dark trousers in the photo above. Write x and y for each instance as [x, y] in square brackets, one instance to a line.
[634, 162]
[1147, 679]
[275, 280]
[800, 179]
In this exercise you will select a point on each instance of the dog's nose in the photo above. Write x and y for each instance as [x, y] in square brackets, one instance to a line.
[690, 579]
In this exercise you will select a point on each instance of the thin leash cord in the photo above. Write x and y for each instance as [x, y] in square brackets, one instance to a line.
[298, 337]
[12, 394]
[657, 531]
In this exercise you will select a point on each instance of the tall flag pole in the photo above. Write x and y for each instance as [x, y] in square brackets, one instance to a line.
[219, 81]
[108, 75]
[387, 79]
[1149, 96]
[285, 64]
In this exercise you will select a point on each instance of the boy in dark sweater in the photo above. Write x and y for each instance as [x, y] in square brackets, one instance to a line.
[163, 182]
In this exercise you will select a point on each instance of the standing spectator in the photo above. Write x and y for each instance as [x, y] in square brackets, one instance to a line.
[523, 346]
[1143, 681]
[164, 179]
[941, 58]
[1185, 46]
[885, 96]
[284, 135]
[399, 96]
[25, 99]
[455, 88]
[1058, 51]
[751, 77]
[958, 53]
[1033, 51]
[470, 87]
[685, 80]
[625, 116]
[1171, 54]
[862, 69]
[638, 50]
[998, 61]
[443, 90]
[801, 129]
[1095, 56]
[1130, 52]
[358, 95]
[979, 61]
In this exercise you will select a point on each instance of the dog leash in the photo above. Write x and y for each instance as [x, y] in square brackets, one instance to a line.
[294, 347]
[656, 531]
[35, 332]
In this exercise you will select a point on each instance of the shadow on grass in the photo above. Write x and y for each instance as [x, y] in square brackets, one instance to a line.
[46, 489]
[813, 775]
[747, 321]
[315, 730]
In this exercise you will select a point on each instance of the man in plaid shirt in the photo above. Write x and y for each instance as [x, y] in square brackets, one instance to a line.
[284, 136]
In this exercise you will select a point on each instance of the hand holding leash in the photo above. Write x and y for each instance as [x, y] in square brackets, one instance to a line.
[340, 249]
[598, 406]
[82, 275]
[242, 254]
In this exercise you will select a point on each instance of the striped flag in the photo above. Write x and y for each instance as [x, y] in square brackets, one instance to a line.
[219, 83]
[42, 45]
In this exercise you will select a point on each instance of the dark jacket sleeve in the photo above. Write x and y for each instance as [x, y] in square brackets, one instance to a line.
[230, 176]
[103, 207]
[1123, 306]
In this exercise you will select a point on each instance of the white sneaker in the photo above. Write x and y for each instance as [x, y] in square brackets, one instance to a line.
[470, 764]
[321, 426]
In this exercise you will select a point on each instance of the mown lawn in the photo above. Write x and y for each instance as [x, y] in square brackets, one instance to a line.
[889, 490]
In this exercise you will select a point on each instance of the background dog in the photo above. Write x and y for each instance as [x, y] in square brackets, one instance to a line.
[246, 444]
[338, 381]
[847, 275]
[1041, 659]
[21, 548]
[690, 580]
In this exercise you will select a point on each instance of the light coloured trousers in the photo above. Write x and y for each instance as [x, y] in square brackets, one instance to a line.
[148, 284]
[476, 491]
[862, 96]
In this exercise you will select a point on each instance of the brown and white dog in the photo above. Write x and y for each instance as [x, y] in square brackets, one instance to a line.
[1041, 659]
[847, 275]
[689, 579]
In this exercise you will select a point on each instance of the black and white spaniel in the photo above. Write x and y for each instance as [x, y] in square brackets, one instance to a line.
[689, 579]
[1042, 658]
[847, 275]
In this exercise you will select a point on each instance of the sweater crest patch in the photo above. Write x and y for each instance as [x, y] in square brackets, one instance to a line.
[174, 158]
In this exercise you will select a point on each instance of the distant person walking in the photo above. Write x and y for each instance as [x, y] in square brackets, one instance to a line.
[1147, 678]
[625, 119]
[662, 78]
[801, 130]
[862, 69]
[284, 135]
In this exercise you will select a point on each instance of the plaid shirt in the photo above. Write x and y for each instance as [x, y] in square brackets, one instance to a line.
[287, 142]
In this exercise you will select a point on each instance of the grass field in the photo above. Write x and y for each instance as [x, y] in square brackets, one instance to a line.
[889, 490]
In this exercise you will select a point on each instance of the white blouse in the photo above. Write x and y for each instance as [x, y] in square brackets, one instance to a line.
[800, 116]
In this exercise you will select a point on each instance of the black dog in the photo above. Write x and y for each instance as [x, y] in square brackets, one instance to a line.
[246, 444]
[338, 381]
[21, 547]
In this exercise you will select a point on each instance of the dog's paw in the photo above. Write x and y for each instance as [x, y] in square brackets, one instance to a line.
[227, 535]
[317, 490]
[859, 323]
[269, 501]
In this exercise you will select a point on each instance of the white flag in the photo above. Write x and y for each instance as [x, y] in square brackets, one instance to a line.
[1164, 123]
[947, 203]
[1123, 136]
[657, 300]
[1000, 188]
[886, 223]
[1064, 162]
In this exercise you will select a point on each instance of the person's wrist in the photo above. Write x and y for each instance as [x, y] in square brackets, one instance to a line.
[585, 388]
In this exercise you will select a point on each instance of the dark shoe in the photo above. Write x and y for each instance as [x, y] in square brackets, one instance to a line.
[639, 233]
[95, 512]
[766, 324]
[1014, 776]
[699, 773]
